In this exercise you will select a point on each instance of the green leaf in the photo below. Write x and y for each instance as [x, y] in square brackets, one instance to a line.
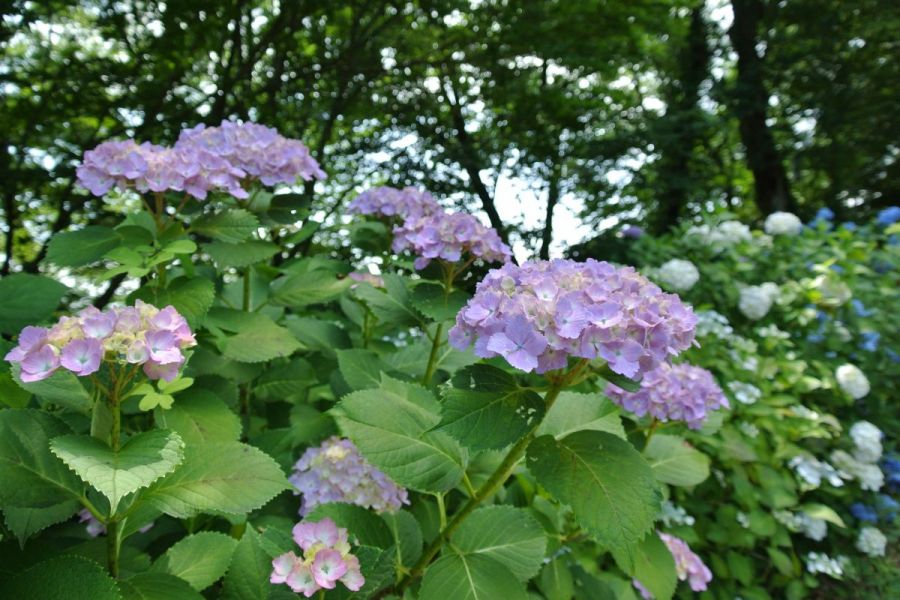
[200, 559]
[27, 299]
[63, 387]
[429, 299]
[248, 574]
[288, 208]
[30, 475]
[180, 247]
[609, 486]
[407, 535]
[390, 426]
[158, 586]
[286, 381]
[69, 576]
[391, 305]
[359, 522]
[655, 567]
[81, 247]
[199, 416]
[309, 287]
[25, 522]
[675, 462]
[485, 409]
[470, 577]
[820, 511]
[556, 581]
[240, 255]
[176, 385]
[259, 339]
[152, 399]
[12, 395]
[509, 535]
[318, 335]
[191, 296]
[143, 459]
[231, 226]
[229, 478]
[360, 368]
[574, 411]
[629, 385]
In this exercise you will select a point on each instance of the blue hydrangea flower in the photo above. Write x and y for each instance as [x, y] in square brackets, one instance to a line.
[864, 512]
[850, 226]
[889, 215]
[860, 309]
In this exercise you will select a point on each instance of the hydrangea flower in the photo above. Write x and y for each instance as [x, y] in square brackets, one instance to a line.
[813, 528]
[688, 565]
[749, 429]
[142, 334]
[852, 381]
[867, 441]
[871, 542]
[672, 515]
[449, 236]
[711, 323]
[783, 223]
[889, 215]
[817, 562]
[864, 512]
[335, 471]
[745, 393]
[755, 301]
[678, 274]
[869, 476]
[678, 392]
[812, 471]
[393, 203]
[326, 560]
[632, 232]
[824, 217]
[540, 313]
[723, 235]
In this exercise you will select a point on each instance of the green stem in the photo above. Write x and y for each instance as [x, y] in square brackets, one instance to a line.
[432, 358]
[244, 390]
[113, 535]
[488, 489]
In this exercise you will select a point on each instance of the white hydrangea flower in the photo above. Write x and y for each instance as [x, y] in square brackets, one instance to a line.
[672, 515]
[711, 323]
[723, 235]
[869, 476]
[742, 519]
[756, 300]
[871, 541]
[831, 290]
[812, 471]
[749, 429]
[867, 439]
[678, 274]
[804, 413]
[811, 527]
[817, 562]
[783, 223]
[772, 331]
[745, 393]
[852, 381]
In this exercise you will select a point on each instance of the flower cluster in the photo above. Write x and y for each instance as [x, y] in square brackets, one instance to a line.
[867, 442]
[869, 475]
[677, 274]
[817, 562]
[852, 381]
[393, 203]
[447, 236]
[202, 160]
[141, 335]
[748, 429]
[755, 301]
[783, 223]
[335, 471]
[745, 393]
[678, 392]
[672, 515]
[889, 215]
[871, 541]
[326, 560]
[538, 314]
[813, 528]
[711, 323]
[723, 235]
[812, 471]
[688, 565]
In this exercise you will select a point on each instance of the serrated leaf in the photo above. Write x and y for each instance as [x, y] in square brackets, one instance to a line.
[63, 388]
[260, 343]
[470, 577]
[25, 522]
[485, 409]
[359, 522]
[27, 299]
[12, 395]
[407, 536]
[227, 255]
[655, 567]
[200, 559]
[675, 462]
[81, 247]
[143, 459]
[231, 226]
[199, 416]
[248, 574]
[30, 475]
[309, 287]
[509, 535]
[318, 335]
[574, 411]
[218, 478]
[286, 381]
[611, 489]
[192, 297]
[158, 586]
[69, 576]
[390, 426]
[430, 300]
[391, 305]
[360, 368]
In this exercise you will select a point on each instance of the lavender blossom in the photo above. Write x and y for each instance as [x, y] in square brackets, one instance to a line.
[449, 236]
[673, 393]
[688, 565]
[394, 203]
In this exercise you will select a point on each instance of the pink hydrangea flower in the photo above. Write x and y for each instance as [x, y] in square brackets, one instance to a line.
[326, 560]
[539, 314]
[670, 392]
[688, 565]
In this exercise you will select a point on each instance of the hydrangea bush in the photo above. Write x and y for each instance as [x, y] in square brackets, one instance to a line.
[416, 416]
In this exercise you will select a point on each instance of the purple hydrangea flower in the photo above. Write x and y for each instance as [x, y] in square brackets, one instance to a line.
[392, 203]
[688, 565]
[141, 334]
[335, 471]
[585, 310]
[679, 392]
[326, 560]
[448, 236]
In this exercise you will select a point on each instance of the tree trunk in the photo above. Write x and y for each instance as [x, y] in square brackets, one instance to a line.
[553, 193]
[750, 102]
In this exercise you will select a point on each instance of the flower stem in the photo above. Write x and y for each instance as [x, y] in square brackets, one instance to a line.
[113, 535]
[488, 489]
[432, 358]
